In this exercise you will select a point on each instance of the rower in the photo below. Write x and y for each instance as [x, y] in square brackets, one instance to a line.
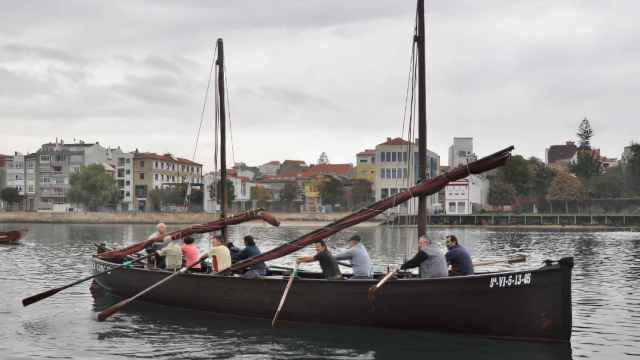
[429, 258]
[172, 254]
[190, 254]
[359, 259]
[161, 234]
[458, 258]
[251, 250]
[220, 255]
[327, 262]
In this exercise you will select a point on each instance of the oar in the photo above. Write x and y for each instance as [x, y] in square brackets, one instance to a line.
[284, 295]
[115, 308]
[374, 289]
[43, 295]
[511, 260]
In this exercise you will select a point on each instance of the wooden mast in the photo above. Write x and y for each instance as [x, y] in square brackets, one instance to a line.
[422, 119]
[223, 139]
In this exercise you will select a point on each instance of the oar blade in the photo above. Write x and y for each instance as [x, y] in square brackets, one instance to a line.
[371, 296]
[41, 296]
[517, 259]
[106, 313]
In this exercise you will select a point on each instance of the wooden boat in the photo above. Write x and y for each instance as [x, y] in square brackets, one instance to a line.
[529, 305]
[12, 237]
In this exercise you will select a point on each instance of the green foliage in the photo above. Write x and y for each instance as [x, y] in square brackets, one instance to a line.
[501, 193]
[587, 165]
[566, 187]
[332, 191]
[632, 171]
[541, 178]
[518, 174]
[609, 185]
[93, 188]
[585, 133]
[361, 192]
[289, 193]
[10, 195]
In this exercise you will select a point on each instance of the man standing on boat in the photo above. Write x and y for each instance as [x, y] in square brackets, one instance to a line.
[220, 255]
[327, 262]
[458, 258]
[359, 258]
[250, 250]
[429, 259]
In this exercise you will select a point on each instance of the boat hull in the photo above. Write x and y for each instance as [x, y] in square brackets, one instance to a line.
[11, 237]
[528, 305]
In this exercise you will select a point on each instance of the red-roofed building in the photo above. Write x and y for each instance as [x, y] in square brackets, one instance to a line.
[270, 169]
[366, 165]
[560, 156]
[292, 168]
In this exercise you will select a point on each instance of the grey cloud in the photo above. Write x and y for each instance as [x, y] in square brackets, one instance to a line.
[34, 52]
[20, 86]
[290, 97]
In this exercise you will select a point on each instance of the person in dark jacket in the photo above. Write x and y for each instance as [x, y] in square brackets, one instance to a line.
[429, 259]
[250, 250]
[328, 263]
[458, 258]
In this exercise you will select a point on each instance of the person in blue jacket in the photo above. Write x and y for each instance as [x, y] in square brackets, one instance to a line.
[250, 250]
[458, 258]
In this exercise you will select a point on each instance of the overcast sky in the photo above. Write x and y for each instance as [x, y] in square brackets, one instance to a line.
[313, 76]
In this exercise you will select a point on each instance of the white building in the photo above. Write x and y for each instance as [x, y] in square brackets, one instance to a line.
[270, 169]
[16, 172]
[461, 152]
[123, 164]
[467, 195]
[396, 166]
[242, 192]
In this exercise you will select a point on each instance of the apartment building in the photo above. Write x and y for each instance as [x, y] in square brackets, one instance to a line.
[366, 165]
[153, 171]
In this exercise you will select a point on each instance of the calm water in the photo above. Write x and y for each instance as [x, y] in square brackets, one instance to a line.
[606, 302]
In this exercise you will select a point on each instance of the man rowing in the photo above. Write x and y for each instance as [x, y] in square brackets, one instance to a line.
[328, 263]
[359, 259]
[250, 250]
[220, 255]
[458, 258]
[429, 260]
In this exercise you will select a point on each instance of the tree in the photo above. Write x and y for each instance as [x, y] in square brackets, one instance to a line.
[93, 188]
[587, 165]
[585, 133]
[289, 193]
[542, 176]
[609, 185]
[632, 171]
[10, 195]
[566, 187]
[332, 191]
[516, 172]
[361, 192]
[500, 193]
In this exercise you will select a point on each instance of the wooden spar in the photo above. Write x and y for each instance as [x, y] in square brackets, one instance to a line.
[422, 119]
[223, 136]
[372, 290]
[425, 187]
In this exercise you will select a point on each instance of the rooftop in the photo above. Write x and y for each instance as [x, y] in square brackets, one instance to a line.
[395, 141]
[367, 152]
[561, 152]
[165, 157]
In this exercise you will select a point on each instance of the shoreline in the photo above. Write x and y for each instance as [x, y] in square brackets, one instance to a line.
[286, 220]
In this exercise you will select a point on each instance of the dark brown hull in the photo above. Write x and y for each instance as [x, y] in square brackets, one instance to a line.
[11, 237]
[530, 305]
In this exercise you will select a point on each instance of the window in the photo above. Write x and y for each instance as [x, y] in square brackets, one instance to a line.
[452, 207]
[381, 173]
[362, 161]
[141, 176]
[384, 193]
[127, 182]
[382, 157]
[155, 176]
[162, 165]
[461, 207]
[120, 183]
[120, 172]
[393, 156]
[121, 161]
[462, 153]
[405, 173]
[404, 156]
[127, 194]
[393, 173]
[128, 171]
[44, 158]
[128, 161]
[141, 163]
[394, 191]
[388, 171]
[388, 156]
[141, 191]
[373, 159]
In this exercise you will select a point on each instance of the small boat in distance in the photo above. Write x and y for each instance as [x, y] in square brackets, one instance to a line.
[12, 237]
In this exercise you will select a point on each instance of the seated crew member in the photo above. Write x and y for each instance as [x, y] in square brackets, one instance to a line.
[160, 233]
[251, 250]
[172, 254]
[327, 262]
[190, 254]
[429, 259]
[359, 259]
[458, 258]
[220, 255]
[233, 250]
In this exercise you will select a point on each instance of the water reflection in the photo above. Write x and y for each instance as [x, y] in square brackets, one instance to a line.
[606, 300]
